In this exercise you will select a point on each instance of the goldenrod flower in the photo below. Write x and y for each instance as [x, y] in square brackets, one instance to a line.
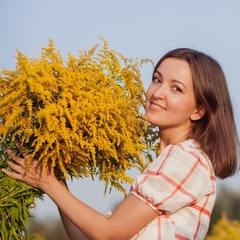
[83, 114]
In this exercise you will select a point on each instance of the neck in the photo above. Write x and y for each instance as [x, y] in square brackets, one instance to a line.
[170, 136]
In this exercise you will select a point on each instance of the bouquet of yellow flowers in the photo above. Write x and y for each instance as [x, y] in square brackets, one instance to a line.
[82, 115]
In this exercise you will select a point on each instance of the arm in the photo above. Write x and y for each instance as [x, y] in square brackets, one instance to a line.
[128, 219]
[72, 231]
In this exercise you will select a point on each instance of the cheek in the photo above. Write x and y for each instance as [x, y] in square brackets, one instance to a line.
[147, 95]
[186, 106]
[149, 92]
[187, 109]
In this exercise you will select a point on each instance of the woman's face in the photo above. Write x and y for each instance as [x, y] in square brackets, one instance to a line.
[170, 102]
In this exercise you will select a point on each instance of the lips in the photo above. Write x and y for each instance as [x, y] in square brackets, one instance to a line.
[156, 107]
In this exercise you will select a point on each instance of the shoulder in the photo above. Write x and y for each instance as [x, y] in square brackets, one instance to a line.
[187, 147]
[184, 155]
[182, 172]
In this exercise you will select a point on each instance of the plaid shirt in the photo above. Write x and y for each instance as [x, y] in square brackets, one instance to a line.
[181, 186]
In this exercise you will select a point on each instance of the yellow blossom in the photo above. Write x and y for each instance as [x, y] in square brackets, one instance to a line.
[81, 114]
[77, 113]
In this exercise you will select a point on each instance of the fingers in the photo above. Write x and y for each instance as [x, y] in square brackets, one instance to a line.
[21, 176]
[15, 157]
[18, 165]
[17, 168]
[13, 175]
[28, 169]
[21, 149]
[23, 164]
[30, 176]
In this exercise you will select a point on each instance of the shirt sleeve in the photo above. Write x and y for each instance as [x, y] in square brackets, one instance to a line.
[177, 178]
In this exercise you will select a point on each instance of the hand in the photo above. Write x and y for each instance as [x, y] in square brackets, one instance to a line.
[32, 175]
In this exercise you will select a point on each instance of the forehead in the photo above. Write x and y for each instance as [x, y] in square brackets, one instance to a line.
[174, 68]
[174, 65]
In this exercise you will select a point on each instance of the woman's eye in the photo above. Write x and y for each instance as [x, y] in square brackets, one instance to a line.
[177, 89]
[155, 79]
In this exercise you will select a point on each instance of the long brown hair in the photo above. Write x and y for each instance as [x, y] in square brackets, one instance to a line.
[216, 131]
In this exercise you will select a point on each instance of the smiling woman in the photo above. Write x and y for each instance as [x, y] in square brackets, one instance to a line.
[170, 99]
[198, 142]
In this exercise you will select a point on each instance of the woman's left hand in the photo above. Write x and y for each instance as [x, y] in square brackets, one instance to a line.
[32, 175]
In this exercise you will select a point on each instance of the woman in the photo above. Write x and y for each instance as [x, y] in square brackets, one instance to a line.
[173, 198]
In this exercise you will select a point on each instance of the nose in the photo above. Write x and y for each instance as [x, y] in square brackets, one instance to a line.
[160, 92]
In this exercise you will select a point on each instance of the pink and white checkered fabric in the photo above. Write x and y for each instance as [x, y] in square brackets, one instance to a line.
[181, 186]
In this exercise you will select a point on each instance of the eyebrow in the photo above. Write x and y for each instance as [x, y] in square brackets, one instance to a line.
[174, 80]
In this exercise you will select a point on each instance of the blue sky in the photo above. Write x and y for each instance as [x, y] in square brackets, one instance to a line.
[135, 28]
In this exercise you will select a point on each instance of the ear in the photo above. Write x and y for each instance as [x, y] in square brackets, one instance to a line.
[198, 113]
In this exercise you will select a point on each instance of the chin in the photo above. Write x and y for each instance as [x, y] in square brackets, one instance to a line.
[154, 122]
[152, 119]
